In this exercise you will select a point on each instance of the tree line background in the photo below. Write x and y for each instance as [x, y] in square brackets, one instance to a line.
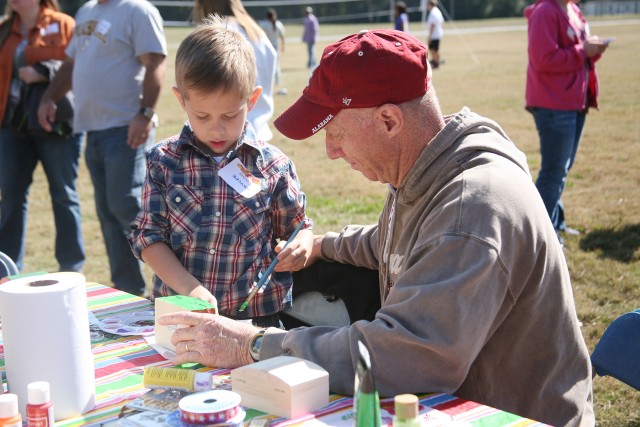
[348, 12]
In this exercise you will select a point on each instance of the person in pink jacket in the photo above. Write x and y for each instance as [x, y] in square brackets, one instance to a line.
[562, 85]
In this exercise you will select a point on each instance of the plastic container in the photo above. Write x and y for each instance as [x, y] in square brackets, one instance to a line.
[9, 415]
[406, 409]
[176, 379]
[39, 405]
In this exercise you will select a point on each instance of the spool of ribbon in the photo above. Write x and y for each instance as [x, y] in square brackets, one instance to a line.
[209, 407]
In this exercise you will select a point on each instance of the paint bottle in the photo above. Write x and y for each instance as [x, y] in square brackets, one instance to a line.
[9, 415]
[176, 379]
[406, 409]
[366, 403]
[39, 405]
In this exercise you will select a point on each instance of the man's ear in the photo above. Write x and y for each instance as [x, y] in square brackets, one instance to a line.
[178, 95]
[391, 117]
[253, 98]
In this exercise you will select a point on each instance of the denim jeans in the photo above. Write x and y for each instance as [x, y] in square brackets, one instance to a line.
[311, 51]
[19, 156]
[559, 133]
[117, 172]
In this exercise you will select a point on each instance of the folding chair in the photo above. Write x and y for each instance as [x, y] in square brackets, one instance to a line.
[617, 353]
[7, 266]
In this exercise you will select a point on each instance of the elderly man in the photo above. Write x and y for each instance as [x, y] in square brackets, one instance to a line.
[475, 291]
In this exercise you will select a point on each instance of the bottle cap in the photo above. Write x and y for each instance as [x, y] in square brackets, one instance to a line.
[406, 406]
[8, 405]
[38, 393]
[202, 381]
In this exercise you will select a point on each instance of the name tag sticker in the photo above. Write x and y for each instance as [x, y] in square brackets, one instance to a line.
[52, 28]
[240, 179]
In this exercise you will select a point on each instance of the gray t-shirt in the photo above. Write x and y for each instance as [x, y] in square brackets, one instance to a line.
[107, 76]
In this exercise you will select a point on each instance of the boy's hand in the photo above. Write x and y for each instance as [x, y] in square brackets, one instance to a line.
[202, 293]
[296, 255]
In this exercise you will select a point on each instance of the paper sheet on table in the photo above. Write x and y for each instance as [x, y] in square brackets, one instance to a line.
[163, 351]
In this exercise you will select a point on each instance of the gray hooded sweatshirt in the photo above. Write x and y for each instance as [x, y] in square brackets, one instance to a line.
[476, 295]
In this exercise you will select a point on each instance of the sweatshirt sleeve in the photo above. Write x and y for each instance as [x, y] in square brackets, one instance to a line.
[429, 331]
[355, 245]
[551, 49]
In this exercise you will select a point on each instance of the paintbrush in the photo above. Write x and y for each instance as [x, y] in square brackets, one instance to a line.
[263, 280]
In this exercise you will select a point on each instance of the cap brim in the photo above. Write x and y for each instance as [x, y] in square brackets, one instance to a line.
[303, 119]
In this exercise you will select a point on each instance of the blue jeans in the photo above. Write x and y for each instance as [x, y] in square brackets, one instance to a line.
[559, 133]
[311, 50]
[19, 156]
[117, 172]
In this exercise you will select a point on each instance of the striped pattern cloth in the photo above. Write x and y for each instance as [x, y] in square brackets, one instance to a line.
[120, 363]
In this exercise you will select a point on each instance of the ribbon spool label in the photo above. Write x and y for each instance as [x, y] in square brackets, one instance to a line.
[209, 407]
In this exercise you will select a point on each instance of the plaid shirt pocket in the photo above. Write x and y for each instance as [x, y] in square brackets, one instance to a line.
[185, 212]
[251, 216]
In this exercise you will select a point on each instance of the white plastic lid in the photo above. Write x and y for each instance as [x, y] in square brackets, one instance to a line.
[202, 381]
[38, 393]
[8, 405]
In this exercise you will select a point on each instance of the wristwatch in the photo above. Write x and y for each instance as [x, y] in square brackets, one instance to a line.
[255, 344]
[147, 112]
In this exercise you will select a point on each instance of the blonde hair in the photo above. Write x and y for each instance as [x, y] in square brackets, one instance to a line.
[204, 8]
[214, 57]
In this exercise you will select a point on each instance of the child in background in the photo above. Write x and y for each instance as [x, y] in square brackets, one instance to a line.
[215, 199]
[401, 17]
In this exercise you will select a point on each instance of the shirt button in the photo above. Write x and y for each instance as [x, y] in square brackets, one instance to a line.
[218, 213]
[178, 199]
[257, 204]
[212, 251]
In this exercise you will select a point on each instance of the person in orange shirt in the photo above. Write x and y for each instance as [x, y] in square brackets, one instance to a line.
[33, 38]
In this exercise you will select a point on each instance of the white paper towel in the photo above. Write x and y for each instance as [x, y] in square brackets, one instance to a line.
[45, 331]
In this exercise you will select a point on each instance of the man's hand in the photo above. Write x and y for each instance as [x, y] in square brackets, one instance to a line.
[58, 87]
[47, 113]
[209, 339]
[139, 129]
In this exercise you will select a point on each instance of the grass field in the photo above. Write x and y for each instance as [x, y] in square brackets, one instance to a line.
[484, 70]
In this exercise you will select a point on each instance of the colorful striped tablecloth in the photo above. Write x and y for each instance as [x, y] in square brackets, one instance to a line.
[120, 361]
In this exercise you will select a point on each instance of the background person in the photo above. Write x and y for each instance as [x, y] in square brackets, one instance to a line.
[435, 31]
[190, 180]
[471, 276]
[310, 35]
[120, 42]
[33, 38]
[274, 29]
[401, 17]
[266, 56]
[562, 85]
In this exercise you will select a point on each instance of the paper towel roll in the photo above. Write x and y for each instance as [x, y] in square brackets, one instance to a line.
[45, 330]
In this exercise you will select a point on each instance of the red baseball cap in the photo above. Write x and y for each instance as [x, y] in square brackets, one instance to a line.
[362, 70]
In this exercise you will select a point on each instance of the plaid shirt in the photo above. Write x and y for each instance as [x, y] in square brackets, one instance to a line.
[219, 236]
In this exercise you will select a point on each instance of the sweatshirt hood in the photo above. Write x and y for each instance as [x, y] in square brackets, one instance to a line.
[464, 136]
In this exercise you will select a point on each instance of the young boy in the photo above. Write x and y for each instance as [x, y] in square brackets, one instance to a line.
[216, 199]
